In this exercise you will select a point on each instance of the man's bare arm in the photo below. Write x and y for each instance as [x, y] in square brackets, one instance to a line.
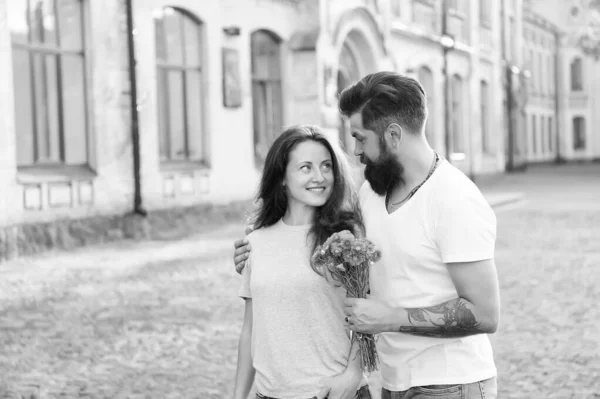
[475, 311]
[447, 320]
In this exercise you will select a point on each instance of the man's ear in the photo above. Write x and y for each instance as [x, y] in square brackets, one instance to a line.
[393, 135]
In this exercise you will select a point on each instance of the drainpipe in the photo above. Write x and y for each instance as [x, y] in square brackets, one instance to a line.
[135, 133]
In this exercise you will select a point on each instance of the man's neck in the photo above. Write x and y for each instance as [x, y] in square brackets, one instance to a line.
[417, 166]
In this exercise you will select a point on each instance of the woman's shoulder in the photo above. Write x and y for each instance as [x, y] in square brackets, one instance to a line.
[263, 232]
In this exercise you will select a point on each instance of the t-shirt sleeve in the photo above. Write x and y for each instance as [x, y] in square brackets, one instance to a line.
[244, 291]
[466, 227]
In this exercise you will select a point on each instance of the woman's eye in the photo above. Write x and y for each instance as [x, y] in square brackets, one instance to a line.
[327, 166]
[305, 168]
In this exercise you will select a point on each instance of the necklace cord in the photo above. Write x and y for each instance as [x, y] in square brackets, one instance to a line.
[412, 192]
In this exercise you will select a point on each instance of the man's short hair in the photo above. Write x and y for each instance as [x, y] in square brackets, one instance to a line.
[386, 97]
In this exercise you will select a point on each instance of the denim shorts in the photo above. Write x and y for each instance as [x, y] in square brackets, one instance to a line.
[362, 393]
[486, 389]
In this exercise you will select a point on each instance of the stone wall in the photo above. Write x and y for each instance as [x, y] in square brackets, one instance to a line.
[28, 239]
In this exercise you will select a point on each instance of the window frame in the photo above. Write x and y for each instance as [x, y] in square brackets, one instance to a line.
[58, 52]
[576, 75]
[268, 84]
[164, 68]
[579, 135]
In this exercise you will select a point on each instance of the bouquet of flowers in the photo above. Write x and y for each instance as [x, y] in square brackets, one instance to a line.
[347, 259]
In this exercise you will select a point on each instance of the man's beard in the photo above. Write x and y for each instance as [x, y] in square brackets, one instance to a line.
[383, 173]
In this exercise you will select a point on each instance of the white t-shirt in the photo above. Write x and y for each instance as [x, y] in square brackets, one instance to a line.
[447, 220]
[298, 334]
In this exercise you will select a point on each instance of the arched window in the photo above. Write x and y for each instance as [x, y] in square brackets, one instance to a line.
[486, 139]
[49, 81]
[348, 73]
[457, 100]
[179, 77]
[576, 75]
[267, 97]
[426, 79]
[578, 133]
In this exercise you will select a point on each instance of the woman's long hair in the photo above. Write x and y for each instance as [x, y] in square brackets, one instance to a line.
[340, 212]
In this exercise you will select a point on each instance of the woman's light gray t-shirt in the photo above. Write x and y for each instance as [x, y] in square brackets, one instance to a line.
[298, 334]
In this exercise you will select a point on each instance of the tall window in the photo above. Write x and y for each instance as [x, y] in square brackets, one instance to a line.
[579, 133]
[550, 135]
[542, 73]
[486, 138]
[576, 75]
[532, 67]
[179, 78]
[485, 13]
[266, 90]
[533, 135]
[457, 109]
[49, 82]
[550, 70]
[543, 136]
[395, 7]
[348, 73]
[426, 79]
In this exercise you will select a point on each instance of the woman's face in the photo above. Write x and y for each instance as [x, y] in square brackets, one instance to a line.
[309, 174]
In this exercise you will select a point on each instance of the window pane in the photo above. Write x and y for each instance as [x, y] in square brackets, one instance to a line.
[17, 21]
[426, 79]
[193, 86]
[259, 101]
[23, 107]
[457, 144]
[534, 134]
[275, 111]
[163, 114]
[69, 16]
[52, 88]
[41, 108]
[191, 42]
[265, 56]
[173, 35]
[159, 36]
[74, 110]
[550, 136]
[176, 115]
[43, 21]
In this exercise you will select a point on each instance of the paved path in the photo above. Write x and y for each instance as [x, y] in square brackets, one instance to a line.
[161, 320]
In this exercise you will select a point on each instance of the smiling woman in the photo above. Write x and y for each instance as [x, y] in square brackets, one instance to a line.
[308, 181]
[293, 341]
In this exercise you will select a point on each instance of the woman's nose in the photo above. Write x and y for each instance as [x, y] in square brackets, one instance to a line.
[318, 176]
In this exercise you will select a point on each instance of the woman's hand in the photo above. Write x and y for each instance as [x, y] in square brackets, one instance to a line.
[342, 386]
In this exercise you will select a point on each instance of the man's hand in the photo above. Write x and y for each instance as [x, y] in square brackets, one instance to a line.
[368, 316]
[242, 251]
[342, 386]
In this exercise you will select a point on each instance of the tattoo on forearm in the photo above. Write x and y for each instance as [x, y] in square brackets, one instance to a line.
[449, 319]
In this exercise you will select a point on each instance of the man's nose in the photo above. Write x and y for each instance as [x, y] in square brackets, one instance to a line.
[357, 151]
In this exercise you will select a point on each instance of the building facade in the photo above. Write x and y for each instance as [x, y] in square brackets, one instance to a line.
[117, 106]
[563, 51]
[541, 43]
